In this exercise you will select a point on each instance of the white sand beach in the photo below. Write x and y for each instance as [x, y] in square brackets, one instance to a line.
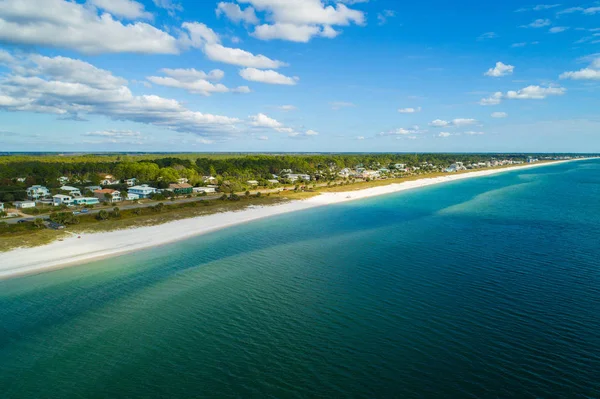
[75, 250]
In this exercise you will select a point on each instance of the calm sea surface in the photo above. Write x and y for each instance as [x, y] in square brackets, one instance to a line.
[485, 288]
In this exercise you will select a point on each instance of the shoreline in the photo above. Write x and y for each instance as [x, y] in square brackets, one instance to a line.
[95, 246]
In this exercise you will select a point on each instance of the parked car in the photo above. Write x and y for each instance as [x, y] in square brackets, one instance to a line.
[85, 211]
[55, 226]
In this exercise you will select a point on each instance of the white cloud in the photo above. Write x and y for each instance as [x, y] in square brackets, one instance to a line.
[523, 44]
[444, 134]
[262, 120]
[538, 23]
[583, 10]
[558, 29]
[236, 14]
[499, 115]
[539, 7]
[115, 137]
[129, 9]
[287, 108]
[500, 69]
[58, 23]
[409, 110]
[196, 82]
[382, 17]
[494, 99]
[300, 21]
[311, 133]
[263, 138]
[291, 32]
[488, 35]
[535, 93]
[267, 76]
[239, 57]
[473, 133]
[360, 138]
[205, 141]
[459, 122]
[70, 87]
[592, 72]
[337, 105]
[170, 5]
[411, 131]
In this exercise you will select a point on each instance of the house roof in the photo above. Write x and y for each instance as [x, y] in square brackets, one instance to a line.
[182, 185]
[105, 191]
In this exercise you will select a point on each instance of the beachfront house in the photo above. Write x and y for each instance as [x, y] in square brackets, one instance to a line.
[73, 191]
[252, 182]
[93, 188]
[63, 180]
[143, 191]
[131, 182]
[273, 181]
[207, 190]
[297, 176]
[209, 179]
[108, 195]
[24, 204]
[37, 192]
[61, 199]
[109, 180]
[183, 180]
[455, 167]
[86, 201]
[181, 189]
[132, 197]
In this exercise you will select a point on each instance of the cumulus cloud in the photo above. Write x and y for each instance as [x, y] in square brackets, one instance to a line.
[263, 138]
[196, 82]
[170, 5]
[539, 7]
[267, 76]
[411, 131]
[129, 9]
[262, 120]
[234, 13]
[69, 87]
[500, 69]
[499, 115]
[474, 133]
[444, 134]
[583, 10]
[58, 23]
[592, 72]
[458, 122]
[306, 134]
[558, 29]
[538, 23]
[301, 21]
[527, 93]
[409, 110]
[494, 99]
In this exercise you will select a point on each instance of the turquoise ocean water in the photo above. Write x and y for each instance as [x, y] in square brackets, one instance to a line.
[483, 288]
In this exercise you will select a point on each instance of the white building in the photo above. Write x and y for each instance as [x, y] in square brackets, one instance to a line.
[132, 197]
[86, 201]
[1, 207]
[207, 190]
[109, 180]
[182, 180]
[297, 176]
[63, 180]
[61, 199]
[209, 179]
[131, 182]
[73, 191]
[252, 182]
[21, 179]
[24, 204]
[37, 192]
[143, 191]
[273, 181]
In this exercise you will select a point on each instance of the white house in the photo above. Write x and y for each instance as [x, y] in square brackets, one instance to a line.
[209, 179]
[37, 192]
[24, 204]
[86, 201]
[115, 196]
[252, 182]
[182, 180]
[131, 182]
[63, 180]
[273, 181]
[21, 179]
[93, 188]
[144, 191]
[132, 197]
[73, 191]
[1, 207]
[109, 180]
[297, 176]
[207, 190]
[61, 199]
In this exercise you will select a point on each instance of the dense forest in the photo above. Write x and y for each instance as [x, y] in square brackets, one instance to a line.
[162, 168]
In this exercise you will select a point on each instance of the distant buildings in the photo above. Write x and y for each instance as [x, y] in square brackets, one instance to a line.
[24, 204]
[63, 180]
[108, 195]
[456, 167]
[293, 177]
[61, 199]
[143, 191]
[181, 189]
[37, 192]
[73, 191]
[109, 180]
[131, 182]
[207, 190]
[273, 181]
[86, 201]
[252, 182]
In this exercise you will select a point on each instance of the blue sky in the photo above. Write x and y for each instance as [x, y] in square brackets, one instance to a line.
[299, 75]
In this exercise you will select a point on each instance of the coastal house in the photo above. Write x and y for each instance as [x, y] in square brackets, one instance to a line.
[109, 180]
[61, 199]
[297, 176]
[63, 180]
[24, 204]
[273, 181]
[370, 174]
[21, 179]
[131, 182]
[181, 189]
[93, 188]
[209, 179]
[132, 197]
[73, 191]
[143, 191]
[346, 172]
[207, 190]
[86, 201]
[252, 182]
[182, 180]
[37, 192]
[108, 195]
[1, 207]
[455, 167]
